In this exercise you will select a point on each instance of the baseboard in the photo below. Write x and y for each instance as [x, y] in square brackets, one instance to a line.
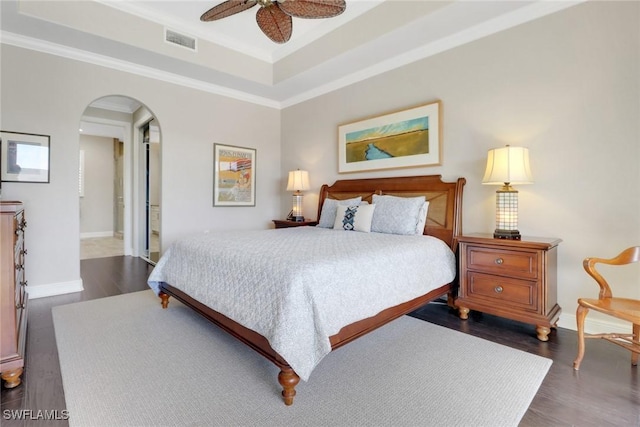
[594, 325]
[92, 234]
[53, 289]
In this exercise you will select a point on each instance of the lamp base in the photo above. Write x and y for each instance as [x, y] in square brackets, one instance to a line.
[507, 234]
[297, 219]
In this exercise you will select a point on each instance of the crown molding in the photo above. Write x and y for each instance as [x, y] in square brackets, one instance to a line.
[38, 45]
[128, 108]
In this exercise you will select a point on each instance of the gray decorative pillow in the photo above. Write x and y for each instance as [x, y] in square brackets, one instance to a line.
[329, 207]
[396, 215]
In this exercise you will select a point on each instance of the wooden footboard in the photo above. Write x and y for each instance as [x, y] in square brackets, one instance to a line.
[287, 377]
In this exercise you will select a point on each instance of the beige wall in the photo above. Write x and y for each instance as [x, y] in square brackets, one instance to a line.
[45, 94]
[566, 86]
[96, 206]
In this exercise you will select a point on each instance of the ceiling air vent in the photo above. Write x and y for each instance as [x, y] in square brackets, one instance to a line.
[180, 39]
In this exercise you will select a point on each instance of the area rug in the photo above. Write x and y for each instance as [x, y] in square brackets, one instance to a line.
[127, 362]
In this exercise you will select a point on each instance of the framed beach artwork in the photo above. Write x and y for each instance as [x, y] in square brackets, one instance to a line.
[407, 138]
[234, 176]
[25, 157]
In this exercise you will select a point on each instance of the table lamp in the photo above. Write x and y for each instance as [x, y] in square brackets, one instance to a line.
[298, 182]
[505, 166]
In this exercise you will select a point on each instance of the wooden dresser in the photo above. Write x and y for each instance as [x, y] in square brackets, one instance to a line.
[13, 297]
[515, 279]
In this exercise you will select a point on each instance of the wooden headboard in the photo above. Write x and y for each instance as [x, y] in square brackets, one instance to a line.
[444, 218]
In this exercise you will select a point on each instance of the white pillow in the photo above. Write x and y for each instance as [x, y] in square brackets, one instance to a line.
[396, 215]
[422, 218]
[328, 213]
[354, 218]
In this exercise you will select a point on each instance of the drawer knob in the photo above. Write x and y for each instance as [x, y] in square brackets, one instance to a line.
[498, 289]
[499, 261]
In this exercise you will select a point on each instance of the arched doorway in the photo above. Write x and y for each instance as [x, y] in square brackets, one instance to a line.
[119, 180]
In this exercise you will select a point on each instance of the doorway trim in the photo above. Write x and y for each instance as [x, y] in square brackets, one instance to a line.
[139, 186]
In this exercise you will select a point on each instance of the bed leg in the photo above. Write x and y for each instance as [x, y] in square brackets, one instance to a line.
[451, 299]
[288, 379]
[165, 299]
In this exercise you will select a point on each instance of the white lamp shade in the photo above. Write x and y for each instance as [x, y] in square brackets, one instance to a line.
[508, 165]
[298, 181]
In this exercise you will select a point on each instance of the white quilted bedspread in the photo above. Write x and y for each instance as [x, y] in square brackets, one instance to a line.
[298, 286]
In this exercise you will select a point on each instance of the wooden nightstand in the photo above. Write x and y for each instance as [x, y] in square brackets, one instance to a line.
[515, 279]
[283, 223]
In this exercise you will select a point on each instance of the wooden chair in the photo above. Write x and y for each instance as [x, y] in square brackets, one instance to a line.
[621, 308]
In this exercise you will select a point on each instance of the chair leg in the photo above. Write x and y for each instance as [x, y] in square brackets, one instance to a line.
[581, 314]
[636, 338]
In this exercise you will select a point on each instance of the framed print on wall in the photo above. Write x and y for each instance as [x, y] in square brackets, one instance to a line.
[25, 157]
[234, 176]
[406, 138]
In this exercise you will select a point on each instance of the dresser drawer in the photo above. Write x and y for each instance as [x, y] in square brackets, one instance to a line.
[503, 291]
[521, 264]
[19, 225]
[18, 256]
[20, 284]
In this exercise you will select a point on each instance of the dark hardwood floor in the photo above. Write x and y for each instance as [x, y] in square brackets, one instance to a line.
[605, 392]
[41, 387]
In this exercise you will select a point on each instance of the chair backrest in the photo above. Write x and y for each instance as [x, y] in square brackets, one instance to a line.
[628, 256]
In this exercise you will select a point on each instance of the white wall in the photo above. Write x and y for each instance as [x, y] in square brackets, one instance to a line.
[45, 94]
[566, 86]
[96, 206]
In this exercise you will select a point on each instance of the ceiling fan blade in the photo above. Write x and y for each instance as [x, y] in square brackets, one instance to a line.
[227, 8]
[313, 8]
[274, 23]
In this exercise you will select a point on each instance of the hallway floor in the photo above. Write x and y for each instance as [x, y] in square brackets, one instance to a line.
[102, 247]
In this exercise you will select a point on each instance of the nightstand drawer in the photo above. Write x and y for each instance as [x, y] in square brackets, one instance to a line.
[522, 264]
[521, 294]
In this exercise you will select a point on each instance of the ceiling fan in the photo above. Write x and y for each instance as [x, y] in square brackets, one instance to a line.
[274, 16]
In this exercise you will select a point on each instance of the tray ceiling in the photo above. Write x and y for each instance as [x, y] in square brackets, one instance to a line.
[233, 58]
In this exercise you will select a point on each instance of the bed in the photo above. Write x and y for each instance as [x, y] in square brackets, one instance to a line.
[285, 294]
